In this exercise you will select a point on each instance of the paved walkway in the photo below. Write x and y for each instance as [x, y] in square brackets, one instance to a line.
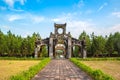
[61, 70]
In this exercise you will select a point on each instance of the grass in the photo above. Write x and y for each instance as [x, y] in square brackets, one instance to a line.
[29, 74]
[109, 67]
[12, 67]
[96, 74]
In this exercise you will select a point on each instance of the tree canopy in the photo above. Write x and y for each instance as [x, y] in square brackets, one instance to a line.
[14, 45]
[102, 46]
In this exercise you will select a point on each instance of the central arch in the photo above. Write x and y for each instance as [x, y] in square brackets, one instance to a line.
[60, 51]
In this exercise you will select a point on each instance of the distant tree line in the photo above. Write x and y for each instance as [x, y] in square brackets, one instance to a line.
[99, 46]
[12, 45]
[96, 46]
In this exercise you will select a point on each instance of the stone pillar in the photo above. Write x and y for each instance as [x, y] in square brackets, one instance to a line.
[84, 53]
[48, 50]
[36, 52]
[51, 48]
[69, 48]
[79, 52]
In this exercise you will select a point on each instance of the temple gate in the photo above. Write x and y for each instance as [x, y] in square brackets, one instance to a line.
[60, 40]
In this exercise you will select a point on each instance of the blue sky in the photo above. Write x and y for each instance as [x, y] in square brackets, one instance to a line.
[23, 17]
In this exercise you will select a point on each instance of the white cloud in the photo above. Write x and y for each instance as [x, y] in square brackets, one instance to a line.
[59, 20]
[26, 17]
[107, 30]
[25, 34]
[14, 17]
[37, 19]
[11, 3]
[77, 26]
[89, 11]
[117, 14]
[115, 28]
[102, 6]
[5, 27]
[22, 2]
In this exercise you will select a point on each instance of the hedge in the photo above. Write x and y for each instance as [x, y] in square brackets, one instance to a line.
[99, 59]
[20, 58]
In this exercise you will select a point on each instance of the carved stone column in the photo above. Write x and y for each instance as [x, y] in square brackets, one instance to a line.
[51, 47]
[36, 52]
[69, 48]
[84, 53]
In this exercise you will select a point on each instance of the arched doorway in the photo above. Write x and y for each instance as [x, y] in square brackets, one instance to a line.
[60, 52]
[76, 51]
[42, 51]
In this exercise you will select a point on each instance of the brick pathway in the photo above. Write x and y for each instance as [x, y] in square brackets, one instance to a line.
[61, 70]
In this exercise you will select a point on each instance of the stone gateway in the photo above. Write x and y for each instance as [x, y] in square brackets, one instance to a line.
[60, 43]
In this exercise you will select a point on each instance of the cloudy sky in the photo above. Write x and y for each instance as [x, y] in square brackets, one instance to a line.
[23, 17]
